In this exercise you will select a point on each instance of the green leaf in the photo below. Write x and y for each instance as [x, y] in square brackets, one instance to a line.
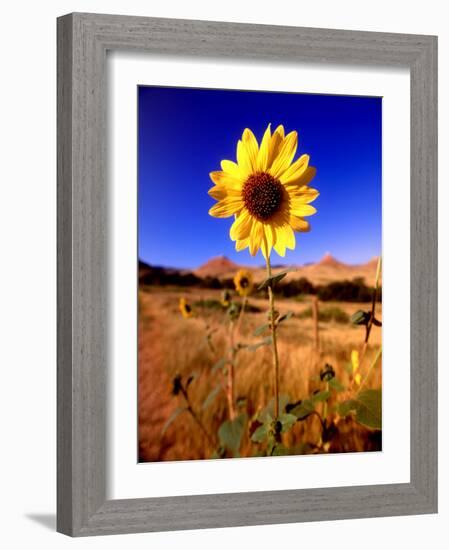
[230, 433]
[173, 417]
[265, 342]
[267, 414]
[320, 396]
[285, 317]
[369, 412]
[336, 385]
[260, 433]
[211, 397]
[360, 317]
[274, 279]
[346, 407]
[280, 450]
[367, 407]
[260, 330]
[219, 364]
[218, 453]
[303, 410]
[287, 420]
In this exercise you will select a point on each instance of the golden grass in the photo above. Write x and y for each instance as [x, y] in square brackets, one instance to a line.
[169, 344]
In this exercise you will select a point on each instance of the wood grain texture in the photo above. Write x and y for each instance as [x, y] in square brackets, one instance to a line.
[64, 276]
[83, 40]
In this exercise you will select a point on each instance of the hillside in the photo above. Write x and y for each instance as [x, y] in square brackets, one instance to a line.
[326, 270]
[220, 266]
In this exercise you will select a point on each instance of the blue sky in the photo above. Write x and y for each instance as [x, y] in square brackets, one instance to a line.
[184, 133]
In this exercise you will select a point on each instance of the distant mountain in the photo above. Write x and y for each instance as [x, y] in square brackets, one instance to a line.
[219, 266]
[326, 270]
[373, 262]
[329, 261]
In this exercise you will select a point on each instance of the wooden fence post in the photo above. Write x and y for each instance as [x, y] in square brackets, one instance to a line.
[315, 317]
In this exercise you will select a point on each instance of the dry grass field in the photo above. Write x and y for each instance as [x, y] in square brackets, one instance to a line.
[170, 344]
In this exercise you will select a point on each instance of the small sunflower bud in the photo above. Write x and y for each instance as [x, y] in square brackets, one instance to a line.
[327, 373]
[226, 298]
[360, 317]
[277, 427]
[185, 308]
[243, 282]
[233, 312]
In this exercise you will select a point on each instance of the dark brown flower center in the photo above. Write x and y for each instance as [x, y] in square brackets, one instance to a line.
[244, 282]
[262, 195]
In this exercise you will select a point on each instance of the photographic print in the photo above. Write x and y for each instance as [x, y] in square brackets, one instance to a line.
[259, 277]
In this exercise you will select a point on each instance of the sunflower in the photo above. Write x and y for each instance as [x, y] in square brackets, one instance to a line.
[265, 191]
[243, 281]
[185, 308]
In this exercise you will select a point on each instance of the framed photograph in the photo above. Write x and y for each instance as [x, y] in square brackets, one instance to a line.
[247, 274]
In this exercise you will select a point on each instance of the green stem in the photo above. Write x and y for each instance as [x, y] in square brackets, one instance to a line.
[373, 364]
[195, 417]
[325, 403]
[242, 311]
[369, 326]
[231, 373]
[274, 342]
[209, 338]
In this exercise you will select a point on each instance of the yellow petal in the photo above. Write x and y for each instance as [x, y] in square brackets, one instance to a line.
[268, 240]
[252, 148]
[285, 156]
[280, 130]
[220, 192]
[241, 245]
[223, 178]
[288, 236]
[298, 224]
[357, 379]
[241, 227]
[243, 160]
[303, 195]
[296, 170]
[226, 207]
[255, 237]
[298, 208]
[231, 168]
[279, 245]
[275, 145]
[302, 180]
[262, 157]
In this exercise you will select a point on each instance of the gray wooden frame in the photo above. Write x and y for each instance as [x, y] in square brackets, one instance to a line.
[83, 40]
